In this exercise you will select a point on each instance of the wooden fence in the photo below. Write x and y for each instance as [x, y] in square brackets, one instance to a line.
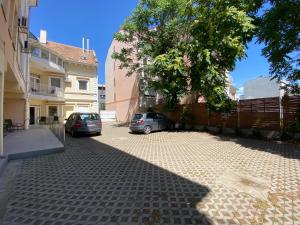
[263, 113]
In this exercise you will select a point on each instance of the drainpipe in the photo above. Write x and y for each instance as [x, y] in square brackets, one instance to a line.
[1, 111]
[27, 83]
[2, 62]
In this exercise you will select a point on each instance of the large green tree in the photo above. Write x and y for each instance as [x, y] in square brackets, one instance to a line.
[190, 45]
[279, 30]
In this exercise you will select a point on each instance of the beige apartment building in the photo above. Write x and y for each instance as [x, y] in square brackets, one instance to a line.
[63, 80]
[14, 56]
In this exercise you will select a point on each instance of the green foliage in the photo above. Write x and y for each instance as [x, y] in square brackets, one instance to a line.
[190, 45]
[205, 129]
[238, 132]
[279, 29]
[257, 133]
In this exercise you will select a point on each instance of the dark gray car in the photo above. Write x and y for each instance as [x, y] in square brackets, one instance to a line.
[148, 122]
[83, 123]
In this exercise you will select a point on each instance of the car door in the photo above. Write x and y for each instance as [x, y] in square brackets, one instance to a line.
[161, 121]
[151, 120]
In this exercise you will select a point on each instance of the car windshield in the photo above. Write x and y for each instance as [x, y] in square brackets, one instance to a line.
[90, 116]
[137, 117]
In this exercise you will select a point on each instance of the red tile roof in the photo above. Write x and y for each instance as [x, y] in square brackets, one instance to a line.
[72, 53]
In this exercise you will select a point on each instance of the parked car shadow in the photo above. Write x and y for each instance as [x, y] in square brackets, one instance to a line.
[94, 183]
[287, 150]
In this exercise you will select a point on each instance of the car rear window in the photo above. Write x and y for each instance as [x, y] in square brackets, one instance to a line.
[137, 117]
[151, 116]
[89, 116]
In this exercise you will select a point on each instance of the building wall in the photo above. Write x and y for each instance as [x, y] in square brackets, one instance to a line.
[122, 91]
[74, 98]
[73, 95]
[18, 62]
[14, 109]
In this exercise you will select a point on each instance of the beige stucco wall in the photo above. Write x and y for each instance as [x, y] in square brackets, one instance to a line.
[122, 91]
[14, 109]
[75, 97]
[124, 109]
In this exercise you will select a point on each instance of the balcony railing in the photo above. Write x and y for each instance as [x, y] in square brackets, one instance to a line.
[47, 91]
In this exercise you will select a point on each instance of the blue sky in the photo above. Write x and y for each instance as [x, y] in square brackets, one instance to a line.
[67, 21]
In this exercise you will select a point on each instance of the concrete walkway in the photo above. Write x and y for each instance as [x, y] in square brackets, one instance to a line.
[32, 142]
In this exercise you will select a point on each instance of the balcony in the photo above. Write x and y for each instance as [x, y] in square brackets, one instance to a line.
[46, 61]
[47, 93]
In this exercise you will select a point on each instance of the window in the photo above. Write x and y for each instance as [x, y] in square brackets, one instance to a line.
[137, 117]
[89, 116]
[36, 52]
[82, 85]
[53, 58]
[35, 83]
[60, 62]
[45, 54]
[52, 110]
[55, 82]
[151, 116]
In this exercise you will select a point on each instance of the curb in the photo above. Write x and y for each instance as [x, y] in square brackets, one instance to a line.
[36, 153]
[3, 163]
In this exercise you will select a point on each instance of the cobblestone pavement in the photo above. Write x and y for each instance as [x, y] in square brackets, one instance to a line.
[161, 178]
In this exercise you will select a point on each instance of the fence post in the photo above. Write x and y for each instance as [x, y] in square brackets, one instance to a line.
[238, 114]
[281, 112]
[208, 117]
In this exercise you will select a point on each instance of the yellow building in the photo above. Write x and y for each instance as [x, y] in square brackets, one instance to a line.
[14, 56]
[63, 80]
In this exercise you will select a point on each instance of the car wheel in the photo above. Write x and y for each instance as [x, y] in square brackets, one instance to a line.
[98, 133]
[147, 130]
[73, 133]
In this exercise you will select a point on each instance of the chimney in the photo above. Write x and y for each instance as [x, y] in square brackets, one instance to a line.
[43, 36]
[88, 45]
[83, 45]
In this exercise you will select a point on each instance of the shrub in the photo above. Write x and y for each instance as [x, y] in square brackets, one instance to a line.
[256, 133]
[205, 129]
[238, 132]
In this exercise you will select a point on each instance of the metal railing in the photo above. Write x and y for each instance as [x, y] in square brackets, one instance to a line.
[47, 91]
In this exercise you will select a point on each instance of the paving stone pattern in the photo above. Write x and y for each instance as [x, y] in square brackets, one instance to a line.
[161, 178]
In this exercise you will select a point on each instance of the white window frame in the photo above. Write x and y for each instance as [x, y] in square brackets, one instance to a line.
[87, 85]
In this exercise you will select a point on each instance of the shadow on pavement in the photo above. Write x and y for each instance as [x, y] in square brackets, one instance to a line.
[94, 183]
[286, 150]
